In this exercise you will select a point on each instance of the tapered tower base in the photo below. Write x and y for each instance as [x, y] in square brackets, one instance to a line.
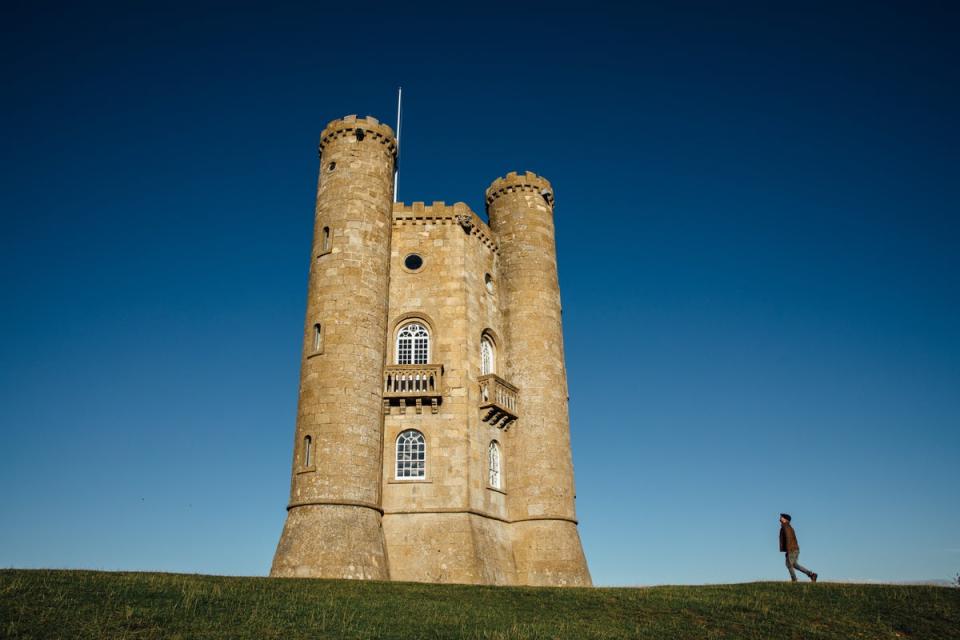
[331, 541]
[548, 553]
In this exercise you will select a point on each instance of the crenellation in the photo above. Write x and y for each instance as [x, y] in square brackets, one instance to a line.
[349, 126]
[514, 182]
[439, 212]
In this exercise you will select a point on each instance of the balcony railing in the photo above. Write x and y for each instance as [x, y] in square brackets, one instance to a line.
[498, 400]
[416, 382]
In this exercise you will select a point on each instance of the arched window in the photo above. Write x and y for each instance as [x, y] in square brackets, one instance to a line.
[411, 455]
[493, 464]
[317, 338]
[307, 453]
[326, 239]
[413, 344]
[487, 356]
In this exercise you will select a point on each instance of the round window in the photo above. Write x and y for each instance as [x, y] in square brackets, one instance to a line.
[488, 281]
[413, 262]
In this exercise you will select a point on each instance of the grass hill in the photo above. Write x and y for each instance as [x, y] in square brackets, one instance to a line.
[89, 604]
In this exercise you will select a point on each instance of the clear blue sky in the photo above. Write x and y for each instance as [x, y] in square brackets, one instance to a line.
[758, 226]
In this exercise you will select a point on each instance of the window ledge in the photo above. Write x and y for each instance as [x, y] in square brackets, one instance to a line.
[409, 481]
[306, 469]
[489, 488]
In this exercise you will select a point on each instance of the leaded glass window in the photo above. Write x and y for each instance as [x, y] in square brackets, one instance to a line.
[486, 356]
[411, 455]
[493, 463]
[413, 344]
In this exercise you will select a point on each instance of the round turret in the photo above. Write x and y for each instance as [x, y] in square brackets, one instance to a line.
[334, 515]
[546, 547]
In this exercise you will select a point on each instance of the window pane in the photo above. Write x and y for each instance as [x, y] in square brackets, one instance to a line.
[413, 344]
[486, 356]
[493, 463]
[411, 455]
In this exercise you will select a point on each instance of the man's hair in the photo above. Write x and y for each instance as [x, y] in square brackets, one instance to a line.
[786, 516]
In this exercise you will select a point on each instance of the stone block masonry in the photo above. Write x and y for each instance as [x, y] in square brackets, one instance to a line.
[432, 439]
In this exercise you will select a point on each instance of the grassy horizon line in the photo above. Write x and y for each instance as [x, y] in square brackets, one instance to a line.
[50, 603]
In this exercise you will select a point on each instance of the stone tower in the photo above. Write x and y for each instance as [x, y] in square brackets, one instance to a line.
[333, 527]
[432, 440]
[546, 545]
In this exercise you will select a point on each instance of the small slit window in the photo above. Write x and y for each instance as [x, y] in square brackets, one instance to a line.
[493, 464]
[488, 282]
[307, 451]
[411, 455]
[325, 244]
[317, 338]
[413, 344]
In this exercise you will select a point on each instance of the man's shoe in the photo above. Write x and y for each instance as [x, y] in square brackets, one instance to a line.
[813, 577]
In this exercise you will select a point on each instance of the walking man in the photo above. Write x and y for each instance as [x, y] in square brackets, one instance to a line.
[791, 548]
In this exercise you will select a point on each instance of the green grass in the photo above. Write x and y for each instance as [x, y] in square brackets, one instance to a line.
[90, 604]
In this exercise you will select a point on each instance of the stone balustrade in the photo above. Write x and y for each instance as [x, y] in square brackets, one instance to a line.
[416, 382]
[498, 400]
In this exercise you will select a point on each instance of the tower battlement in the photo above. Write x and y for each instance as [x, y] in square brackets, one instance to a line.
[439, 212]
[514, 181]
[435, 208]
[361, 128]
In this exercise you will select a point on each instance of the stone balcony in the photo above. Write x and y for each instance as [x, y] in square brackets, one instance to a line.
[498, 401]
[412, 384]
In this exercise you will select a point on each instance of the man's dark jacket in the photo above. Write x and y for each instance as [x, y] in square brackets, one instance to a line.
[788, 539]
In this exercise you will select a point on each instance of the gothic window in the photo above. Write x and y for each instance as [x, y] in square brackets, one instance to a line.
[493, 464]
[411, 455]
[487, 363]
[307, 453]
[413, 344]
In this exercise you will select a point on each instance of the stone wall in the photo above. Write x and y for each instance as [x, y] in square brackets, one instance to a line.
[440, 512]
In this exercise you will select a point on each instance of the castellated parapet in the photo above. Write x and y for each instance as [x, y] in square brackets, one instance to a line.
[432, 440]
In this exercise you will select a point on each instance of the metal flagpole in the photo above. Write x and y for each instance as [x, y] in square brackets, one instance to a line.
[396, 167]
